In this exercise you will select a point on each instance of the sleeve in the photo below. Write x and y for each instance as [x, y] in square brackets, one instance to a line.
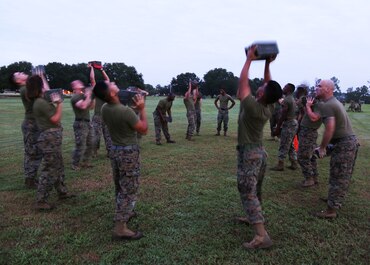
[131, 118]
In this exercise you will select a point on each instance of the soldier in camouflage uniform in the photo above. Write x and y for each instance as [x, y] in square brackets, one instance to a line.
[307, 137]
[82, 102]
[189, 101]
[198, 113]
[30, 130]
[223, 110]
[48, 117]
[123, 125]
[97, 124]
[161, 121]
[339, 132]
[253, 115]
[287, 128]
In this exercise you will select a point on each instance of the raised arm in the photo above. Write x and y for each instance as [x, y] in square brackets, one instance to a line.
[92, 75]
[244, 88]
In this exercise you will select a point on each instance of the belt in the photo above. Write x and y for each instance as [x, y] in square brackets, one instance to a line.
[86, 120]
[345, 138]
[52, 129]
[125, 147]
[223, 109]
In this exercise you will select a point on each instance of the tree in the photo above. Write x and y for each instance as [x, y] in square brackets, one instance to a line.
[5, 72]
[123, 75]
[180, 84]
[219, 78]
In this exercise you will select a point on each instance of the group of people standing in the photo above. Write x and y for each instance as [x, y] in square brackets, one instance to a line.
[122, 124]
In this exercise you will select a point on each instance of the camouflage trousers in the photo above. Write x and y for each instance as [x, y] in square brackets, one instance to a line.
[190, 114]
[84, 137]
[32, 154]
[222, 116]
[99, 128]
[342, 162]
[52, 167]
[158, 125]
[307, 144]
[198, 119]
[125, 163]
[251, 171]
[288, 131]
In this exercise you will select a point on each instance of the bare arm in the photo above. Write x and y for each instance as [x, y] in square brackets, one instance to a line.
[45, 83]
[142, 125]
[328, 134]
[216, 100]
[314, 116]
[55, 119]
[92, 75]
[232, 102]
[85, 103]
[105, 76]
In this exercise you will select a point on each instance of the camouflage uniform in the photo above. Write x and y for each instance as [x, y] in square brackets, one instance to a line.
[307, 137]
[198, 113]
[84, 138]
[342, 162]
[84, 135]
[99, 127]
[32, 154]
[288, 131]
[158, 125]
[307, 144]
[223, 111]
[31, 132]
[52, 168]
[190, 115]
[251, 171]
[126, 171]
[251, 157]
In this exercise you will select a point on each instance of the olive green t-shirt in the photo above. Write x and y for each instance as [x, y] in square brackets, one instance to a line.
[306, 121]
[197, 103]
[189, 103]
[98, 104]
[27, 104]
[120, 121]
[291, 107]
[224, 100]
[252, 118]
[43, 111]
[164, 105]
[79, 113]
[333, 108]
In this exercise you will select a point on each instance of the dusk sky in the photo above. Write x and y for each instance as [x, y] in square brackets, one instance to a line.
[164, 38]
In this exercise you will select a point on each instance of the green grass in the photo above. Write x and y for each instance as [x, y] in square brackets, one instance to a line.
[188, 199]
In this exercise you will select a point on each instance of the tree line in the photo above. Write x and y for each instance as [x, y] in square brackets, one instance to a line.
[60, 76]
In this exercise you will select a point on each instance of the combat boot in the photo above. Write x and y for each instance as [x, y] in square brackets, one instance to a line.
[278, 167]
[225, 134]
[43, 206]
[121, 232]
[218, 133]
[309, 182]
[293, 165]
[30, 183]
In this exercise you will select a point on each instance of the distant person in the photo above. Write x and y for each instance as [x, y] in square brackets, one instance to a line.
[253, 115]
[98, 125]
[287, 128]
[162, 116]
[275, 116]
[338, 131]
[82, 102]
[30, 130]
[189, 100]
[223, 110]
[48, 116]
[198, 112]
[123, 125]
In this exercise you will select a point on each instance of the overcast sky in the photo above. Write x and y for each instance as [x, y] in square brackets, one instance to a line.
[164, 38]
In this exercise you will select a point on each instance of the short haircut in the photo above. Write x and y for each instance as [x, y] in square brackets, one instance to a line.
[101, 90]
[34, 87]
[291, 87]
[272, 92]
[302, 89]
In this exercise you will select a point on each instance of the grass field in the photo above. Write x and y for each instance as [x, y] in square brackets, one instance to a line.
[188, 200]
